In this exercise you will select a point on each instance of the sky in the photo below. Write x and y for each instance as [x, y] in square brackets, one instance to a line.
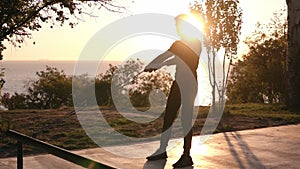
[64, 43]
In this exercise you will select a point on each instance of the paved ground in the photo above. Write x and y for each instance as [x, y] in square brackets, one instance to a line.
[274, 147]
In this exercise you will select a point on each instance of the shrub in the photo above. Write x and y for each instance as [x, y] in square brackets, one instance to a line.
[52, 89]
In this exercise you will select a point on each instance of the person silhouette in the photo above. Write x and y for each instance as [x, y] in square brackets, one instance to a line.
[184, 54]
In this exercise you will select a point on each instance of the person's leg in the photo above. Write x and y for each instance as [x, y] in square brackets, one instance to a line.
[188, 100]
[172, 107]
[186, 121]
[173, 104]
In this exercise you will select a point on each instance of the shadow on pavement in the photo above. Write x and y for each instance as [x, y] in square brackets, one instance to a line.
[160, 164]
[249, 156]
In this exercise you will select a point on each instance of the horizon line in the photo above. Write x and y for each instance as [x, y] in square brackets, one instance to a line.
[34, 60]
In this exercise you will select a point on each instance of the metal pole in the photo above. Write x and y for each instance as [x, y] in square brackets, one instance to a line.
[19, 155]
[54, 150]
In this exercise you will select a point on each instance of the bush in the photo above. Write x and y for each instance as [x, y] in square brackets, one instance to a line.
[16, 101]
[52, 89]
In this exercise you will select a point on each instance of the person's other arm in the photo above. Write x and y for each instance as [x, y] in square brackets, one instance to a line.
[170, 61]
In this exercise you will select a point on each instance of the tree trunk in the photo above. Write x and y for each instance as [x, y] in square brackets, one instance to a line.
[293, 54]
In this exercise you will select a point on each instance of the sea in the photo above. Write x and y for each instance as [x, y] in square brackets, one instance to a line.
[17, 74]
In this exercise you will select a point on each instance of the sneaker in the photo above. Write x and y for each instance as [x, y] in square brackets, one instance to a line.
[155, 156]
[184, 161]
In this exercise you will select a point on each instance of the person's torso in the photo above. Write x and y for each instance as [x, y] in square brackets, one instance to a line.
[187, 57]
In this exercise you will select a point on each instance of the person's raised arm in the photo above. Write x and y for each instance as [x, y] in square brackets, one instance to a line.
[158, 61]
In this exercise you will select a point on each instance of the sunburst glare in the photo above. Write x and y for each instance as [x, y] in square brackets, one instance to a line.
[190, 27]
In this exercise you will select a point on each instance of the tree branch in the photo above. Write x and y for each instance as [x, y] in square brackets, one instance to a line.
[11, 30]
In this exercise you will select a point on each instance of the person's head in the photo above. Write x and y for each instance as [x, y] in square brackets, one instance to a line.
[187, 26]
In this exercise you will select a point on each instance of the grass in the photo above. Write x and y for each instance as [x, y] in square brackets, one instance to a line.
[60, 128]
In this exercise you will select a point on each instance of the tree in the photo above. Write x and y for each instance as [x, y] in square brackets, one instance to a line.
[132, 87]
[15, 101]
[103, 87]
[260, 76]
[125, 85]
[150, 83]
[222, 22]
[19, 17]
[293, 54]
[52, 89]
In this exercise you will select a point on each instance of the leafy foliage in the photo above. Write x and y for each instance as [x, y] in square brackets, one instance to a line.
[260, 77]
[222, 20]
[222, 26]
[16, 101]
[19, 17]
[53, 88]
[129, 81]
[150, 83]
[103, 87]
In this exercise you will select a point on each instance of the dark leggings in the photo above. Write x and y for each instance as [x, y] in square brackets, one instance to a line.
[175, 100]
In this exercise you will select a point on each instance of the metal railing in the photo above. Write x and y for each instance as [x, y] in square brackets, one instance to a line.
[51, 149]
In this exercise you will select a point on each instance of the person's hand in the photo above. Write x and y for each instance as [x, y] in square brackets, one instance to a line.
[149, 69]
[152, 67]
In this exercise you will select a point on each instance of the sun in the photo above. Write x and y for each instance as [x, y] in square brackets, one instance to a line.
[196, 21]
[191, 27]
